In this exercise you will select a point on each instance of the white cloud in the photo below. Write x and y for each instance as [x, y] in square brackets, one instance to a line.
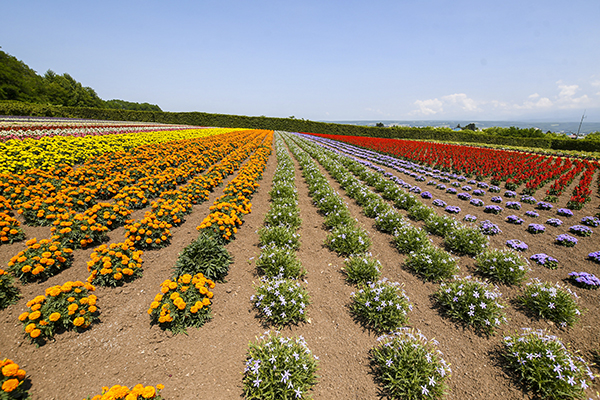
[534, 96]
[428, 107]
[456, 102]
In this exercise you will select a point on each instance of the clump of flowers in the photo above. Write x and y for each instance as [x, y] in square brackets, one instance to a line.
[432, 263]
[581, 230]
[110, 215]
[584, 280]
[279, 235]
[504, 266]
[40, 261]
[565, 212]
[545, 365]
[9, 294]
[496, 199]
[426, 195]
[77, 230]
[532, 214]
[517, 244]
[510, 194]
[513, 219]
[478, 192]
[149, 232]
[473, 302]
[464, 196]
[281, 301]
[470, 218]
[451, 190]
[528, 199]
[536, 228]
[590, 221]
[452, 209]
[494, 189]
[382, 306]
[465, 240]
[182, 303]
[477, 202]
[554, 222]
[138, 392]
[513, 205]
[409, 366]
[283, 261]
[439, 203]
[67, 306]
[10, 229]
[115, 264]
[420, 212]
[409, 238]
[489, 228]
[279, 368]
[595, 256]
[566, 240]
[554, 302]
[545, 260]
[362, 269]
[11, 380]
[542, 205]
[348, 240]
[440, 224]
[388, 221]
[467, 188]
[493, 209]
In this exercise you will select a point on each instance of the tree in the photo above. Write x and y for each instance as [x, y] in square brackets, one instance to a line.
[379, 125]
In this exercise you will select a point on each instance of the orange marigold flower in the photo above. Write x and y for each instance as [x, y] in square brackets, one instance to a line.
[78, 321]
[54, 316]
[35, 333]
[72, 307]
[21, 374]
[148, 392]
[160, 386]
[10, 385]
[92, 309]
[23, 316]
[10, 370]
[29, 328]
[34, 315]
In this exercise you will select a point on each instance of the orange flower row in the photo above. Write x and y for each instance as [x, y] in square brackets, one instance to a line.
[11, 379]
[115, 264]
[138, 392]
[10, 229]
[41, 260]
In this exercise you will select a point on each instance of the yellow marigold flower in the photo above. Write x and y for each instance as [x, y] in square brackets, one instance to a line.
[72, 307]
[10, 370]
[174, 295]
[35, 333]
[173, 285]
[158, 297]
[92, 309]
[160, 386]
[155, 304]
[194, 310]
[118, 276]
[23, 316]
[10, 385]
[36, 307]
[148, 392]
[164, 289]
[54, 291]
[209, 295]
[54, 317]
[78, 321]
[206, 302]
[21, 374]
[34, 315]
[186, 278]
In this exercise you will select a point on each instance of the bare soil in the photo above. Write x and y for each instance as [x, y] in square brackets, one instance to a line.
[209, 362]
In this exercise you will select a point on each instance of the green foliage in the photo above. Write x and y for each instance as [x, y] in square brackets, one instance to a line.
[409, 238]
[554, 302]
[341, 217]
[545, 365]
[382, 306]
[420, 212]
[464, 240]
[440, 225]
[281, 301]
[204, 255]
[408, 366]
[283, 214]
[279, 368]
[348, 240]
[283, 261]
[129, 105]
[389, 220]
[504, 266]
[9, 294]
[432, 264]
[472, 302]
[362, 269]
[280, 235]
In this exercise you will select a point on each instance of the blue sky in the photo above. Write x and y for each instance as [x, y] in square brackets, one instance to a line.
[324, 60]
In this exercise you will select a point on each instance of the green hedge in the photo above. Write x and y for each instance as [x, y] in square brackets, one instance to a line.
[291, 125]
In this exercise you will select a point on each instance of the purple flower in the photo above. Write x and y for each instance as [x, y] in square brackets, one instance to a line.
[566, 240]
[478, 192]
[510, 193]
[493, 209]
[581, 230]
[532, 214]
[470, 218]
[451, 190]
[517, 245]
[528, 199]
[513, 205]
[542, 205]
[545, 260]
[494, 189]
[590, 221]
[513, 219]
[554, 222]
[467, 188]
[439, 203]
[496, 199]
[488, 228]
[452, 209]
[464, 196]
[585, 280]
[565, 212]
[426, 195]
[595, 256]
[477, 202]
[536, 228]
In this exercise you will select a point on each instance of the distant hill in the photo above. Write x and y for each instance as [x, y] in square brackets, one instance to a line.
[19, 82]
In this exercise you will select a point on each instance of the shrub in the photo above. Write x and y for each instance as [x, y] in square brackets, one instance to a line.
[9, 294]
[382, 306]
[565, 212]
[470, 218]
[408, 366]
[348, 240]
[452, 209]
[205, 255]
[528, 199]
[64, 307]
[281, 301]
[477, 202]
[532, 214]
[280, 235]
[545, 365]
[149, 232]
[10, 229]
[513, 205]
[40, 261]
[554, 302]
[279, 368]
[405, 201]
[464, 240]
[362, 269]
[542, 205]
[432, 263]
[376, 207]
[283, 261]
[504, 266]
[496, 199]
[115, 264]
[182, 302]
[440, 225]
[545, 260]
[472, 302]
[77, 230]
[584, 280]
[409, 238]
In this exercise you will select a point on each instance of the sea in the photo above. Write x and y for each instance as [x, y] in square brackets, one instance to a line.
[568, 128]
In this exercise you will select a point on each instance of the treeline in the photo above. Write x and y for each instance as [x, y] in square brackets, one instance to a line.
[21, 83]
[295, 125]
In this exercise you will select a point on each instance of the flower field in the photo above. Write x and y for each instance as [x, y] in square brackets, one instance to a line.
[148, 261]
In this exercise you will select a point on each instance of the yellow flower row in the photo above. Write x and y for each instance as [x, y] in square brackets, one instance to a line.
[139, 391]
[19, 155]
